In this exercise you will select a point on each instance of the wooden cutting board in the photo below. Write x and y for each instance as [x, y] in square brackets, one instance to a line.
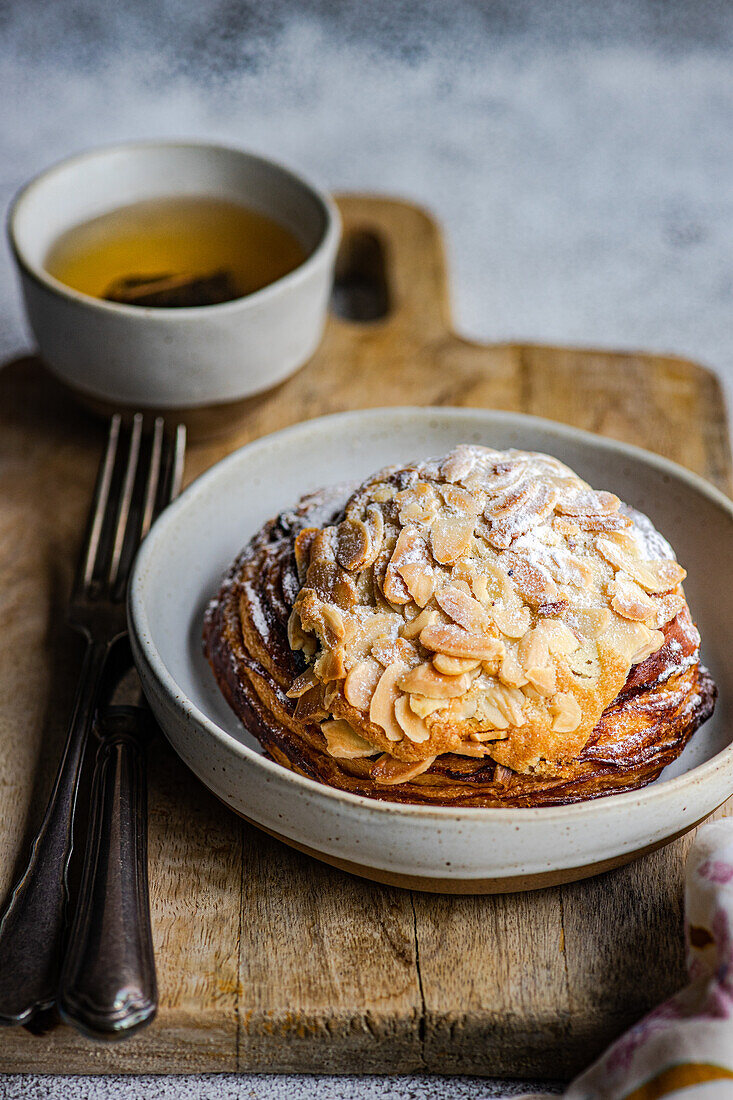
[269, 960]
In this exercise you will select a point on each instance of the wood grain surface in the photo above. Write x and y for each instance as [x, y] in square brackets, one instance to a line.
[267, 959]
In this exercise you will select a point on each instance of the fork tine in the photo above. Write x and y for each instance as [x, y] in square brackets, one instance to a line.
[99, 506]
[179, 454]
[153, 479]
[126, 498]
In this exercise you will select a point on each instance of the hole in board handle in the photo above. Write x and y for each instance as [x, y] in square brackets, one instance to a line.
[361, 290]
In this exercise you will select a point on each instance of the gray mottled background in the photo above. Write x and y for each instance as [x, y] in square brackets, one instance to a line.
[579, 154]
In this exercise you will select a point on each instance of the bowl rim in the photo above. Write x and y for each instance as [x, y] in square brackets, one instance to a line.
[37, 273]
[140, 631]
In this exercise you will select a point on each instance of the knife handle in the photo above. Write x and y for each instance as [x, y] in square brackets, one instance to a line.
[108, 986]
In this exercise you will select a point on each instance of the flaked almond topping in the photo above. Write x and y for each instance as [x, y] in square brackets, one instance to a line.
[463, 502]
[306, 610]
[653, 576]
[653, 642]
[386, 694]
[330, 665]
[490, 583]
[593, 621]
[414, 727]
[378, 572]
[329, 582]
[409, 549]
[511, 671]
[486, 735]
[490, 715]
[301, 684]
[388, 771]
[534, 653]
[627, 638]
[533, 650]
[511, 620]
[566, 712]
[501, 707]
[586, 502]
[425, 680]
[360, 684]
[381, 493]
[458, 464]
[389, 650]
[543, 678]
[454, 641]
[510, 702]
[419, 580]
[506, 471]
[560, 639]
[462, 574]
[353, 544]
[374, 521]
[530, 692]
[303, 542]
[567, 568]
[615, 522]
[450, 538]
[463, 609]
[553, 609]
[426, 618]
[417, 504]
[383, 650]
[333, 625]
[423, 706]
[566, 526]
[470, 748]
[454, 666]
[298, 638]
[504, 505]
[518, 512]
[533, 583]
[460, 710]
[343, 742]
[480, 587]
[629, 599]
[364, 633]
[330, 694]
[310, 707]
[667, 608]
[359, 541]
[322, 548]
[626, 542]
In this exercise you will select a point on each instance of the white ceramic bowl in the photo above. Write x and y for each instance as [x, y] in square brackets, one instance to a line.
[173, 358]
[468, 850]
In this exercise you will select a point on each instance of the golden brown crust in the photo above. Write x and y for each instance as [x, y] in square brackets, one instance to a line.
[663, 700]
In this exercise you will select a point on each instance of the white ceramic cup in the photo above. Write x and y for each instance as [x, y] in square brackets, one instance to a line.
[182, 358]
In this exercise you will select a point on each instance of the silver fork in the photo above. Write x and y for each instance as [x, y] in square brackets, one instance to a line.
[126, 500]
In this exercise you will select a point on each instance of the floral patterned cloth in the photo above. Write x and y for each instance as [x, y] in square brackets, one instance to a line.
[684, 1048]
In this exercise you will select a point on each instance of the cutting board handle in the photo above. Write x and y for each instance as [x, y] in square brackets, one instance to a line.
[398, 245]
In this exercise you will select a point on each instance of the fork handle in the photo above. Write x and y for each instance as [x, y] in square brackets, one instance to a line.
[33, 924]
[108, 987]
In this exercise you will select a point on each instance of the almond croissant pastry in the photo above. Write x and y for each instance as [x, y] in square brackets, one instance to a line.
[483, 629]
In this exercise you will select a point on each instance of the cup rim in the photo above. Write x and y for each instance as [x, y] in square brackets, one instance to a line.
[327, 242]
